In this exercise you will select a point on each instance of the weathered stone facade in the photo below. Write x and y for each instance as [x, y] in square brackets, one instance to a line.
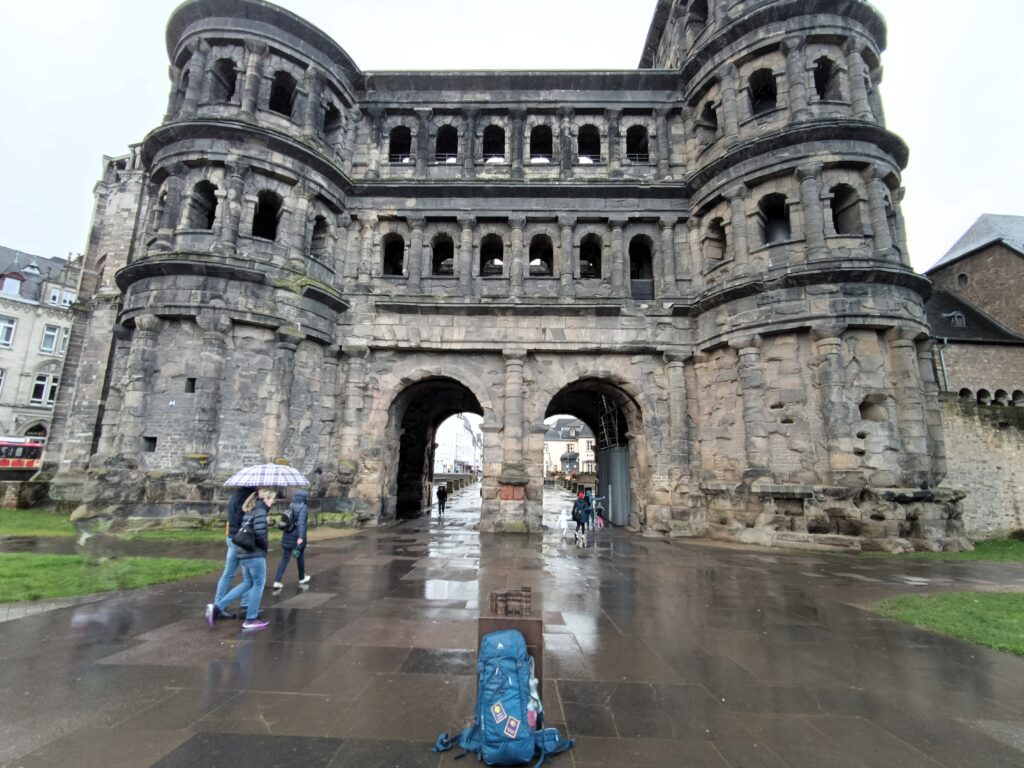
[703, 259]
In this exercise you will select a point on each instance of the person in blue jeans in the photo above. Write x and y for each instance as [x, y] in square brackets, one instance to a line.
[253, 563]
[294, 539]
[231, 559]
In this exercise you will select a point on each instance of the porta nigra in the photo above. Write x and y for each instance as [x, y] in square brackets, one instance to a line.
[703, 259]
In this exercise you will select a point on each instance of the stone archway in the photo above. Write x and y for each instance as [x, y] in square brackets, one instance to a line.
[416, 413]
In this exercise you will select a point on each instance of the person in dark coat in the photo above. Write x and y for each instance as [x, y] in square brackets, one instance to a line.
[254, 564]
[294, 539]
[231, 560]
[442, 499]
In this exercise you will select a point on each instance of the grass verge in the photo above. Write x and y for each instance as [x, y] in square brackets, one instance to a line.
[995, 619]
[1005, 550]
[25, 576]
[34, 522]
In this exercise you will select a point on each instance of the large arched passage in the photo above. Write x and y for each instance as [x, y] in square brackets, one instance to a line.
[612, 416]
[417, 412]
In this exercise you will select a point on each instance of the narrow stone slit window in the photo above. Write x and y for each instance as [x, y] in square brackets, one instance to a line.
[443, 256]
[267, 215]
[149, 445]
[589, 144]
[183, 85]
[319, 242]
[542, 256]
[202, 206]
[541, 146]
[394, 255]
[773, 219]
[826, 80]
[763, 92]
[190, 386]
[846, 210]
[637, 144]
[707, 124]
[447, 145]
[491, 256]
[282, 93]
[641, 269]
[715, 241]
[590, 257]
[332, 120]
[494, 143]
[400, 145]
[222, 81]
[699, 11]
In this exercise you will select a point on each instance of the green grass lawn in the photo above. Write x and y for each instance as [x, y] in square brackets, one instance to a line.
[997, 549]
[25, 576]
[994, 619]
[34, 522]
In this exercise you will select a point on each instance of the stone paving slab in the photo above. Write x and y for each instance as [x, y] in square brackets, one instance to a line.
[656, 654]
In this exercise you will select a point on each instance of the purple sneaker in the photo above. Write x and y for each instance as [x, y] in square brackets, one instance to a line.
[211, 614]
[255, 624]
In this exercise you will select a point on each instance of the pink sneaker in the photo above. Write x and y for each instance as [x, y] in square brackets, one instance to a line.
[255, 624]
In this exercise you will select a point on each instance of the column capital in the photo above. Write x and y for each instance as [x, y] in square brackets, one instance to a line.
[668, 222]
[514, 356]
[677, 358]
[356, 350]
[472, 112]
[466, 220]
[746, 343]
[567, 221]
[809, 171]
[793, 43]
[517, 221]
[823, 331]
[256, 47]
[566, 113]
[416, 222]
[617, 223]
[739, 192]
[693, 222]
[213, 323]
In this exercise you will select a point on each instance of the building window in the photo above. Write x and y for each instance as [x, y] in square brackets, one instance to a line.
[715, 241]
[55, 296]
[846, 210]
[494, 143]
[319, 243]
[400, 145]
[447, 145]
[590, 256]
[282, 94]
[491, 256]
[202, 206]
[268, 212]
[637, 145]
[51, 334]
[394, 255]
[222, 80]
[956, 318]
[442, 256]
[773, 219]
[826, 79]
[44, 391]
[11, 286]
[542, 256]
[65, 334]
[763, 92]
[6, 331]
[589, 144]
[190, 385]
[707, 124]
[541, 146]
[149, 444]
[67, 299]
[962, 280]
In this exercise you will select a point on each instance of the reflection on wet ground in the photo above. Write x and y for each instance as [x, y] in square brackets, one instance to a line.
[655, 654]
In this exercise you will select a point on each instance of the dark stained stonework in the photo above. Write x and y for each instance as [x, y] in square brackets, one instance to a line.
[704, 260]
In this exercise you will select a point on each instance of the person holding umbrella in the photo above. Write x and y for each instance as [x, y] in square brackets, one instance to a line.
[231, 560]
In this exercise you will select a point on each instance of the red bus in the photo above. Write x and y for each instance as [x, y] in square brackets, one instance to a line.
[20, 457]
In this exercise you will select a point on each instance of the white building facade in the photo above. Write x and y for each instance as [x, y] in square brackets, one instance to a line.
[459, 447]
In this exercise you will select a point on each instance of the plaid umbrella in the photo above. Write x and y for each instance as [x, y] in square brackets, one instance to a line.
[262, 475]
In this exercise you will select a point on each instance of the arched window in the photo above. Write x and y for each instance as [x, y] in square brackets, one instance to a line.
[1017, 398]
[494, 143]
[963, 279]
[589, 143]
[773, 219]
[966, 394]
[1000, 397]
[637, 145]
[268, 213]
[332, 120]
[763, 93]
[447, 146]
[540, 143]
[846, 210]
[320, 241]
[491, 256]
[443, 256]
[400, 145]
[984, 397]
[715, 241]
[394, 255]
[542, 256]
[222, 80]
[707, 124]
[641, 268]
[826, 80]
[202, 206]
[282, 93]
[591, 248]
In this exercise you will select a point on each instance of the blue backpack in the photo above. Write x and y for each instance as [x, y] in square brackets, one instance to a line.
[502, 733]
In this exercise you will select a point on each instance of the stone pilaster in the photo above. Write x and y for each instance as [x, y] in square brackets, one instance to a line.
[415, 268]
[469, 143]
[467, 269]
[836, 409]
[255, 50]
[858, 72]
[679, 438]
[796, 74]
[752, 389]
[366, 252]
[740, 241]
[139, 374]
[565, 133]
[692, 264]
[877, 191]
[730, 106]
[619, 265]
[513, 412]
[911, 418]
[331, 399]
[664, 146]
[354, 395]
[423, 141]
[278, 401]
[216, 330]
[355, 115]
[669, 288]
[197, 72]
[814, 215]
[901, 225]
[517, 266]
[518, 142]
[299, 226]
[613, 116]
[566, 270]
[933, 411]
[313, 114]
[377, 117]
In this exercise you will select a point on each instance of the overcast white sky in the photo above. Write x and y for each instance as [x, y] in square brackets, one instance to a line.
[89, 78]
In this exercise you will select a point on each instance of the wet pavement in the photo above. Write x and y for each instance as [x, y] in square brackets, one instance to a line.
[656, 654]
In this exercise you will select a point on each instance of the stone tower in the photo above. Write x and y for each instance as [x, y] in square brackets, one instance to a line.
[703, 259]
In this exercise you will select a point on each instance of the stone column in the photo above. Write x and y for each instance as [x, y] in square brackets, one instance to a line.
[513, 414]
[933, 411]
[664, 146]
[355, 115]
[877, 191]
[565, 121]
[875, 95]
[414, 269]
[366, 252]
[216, 330]
[679, 439]
[423, 141]
[518, 141]
[730, 106]
[796, 74]
[175, 74]
[279, 395]
[354, 397]
[517, 256]
[349, 256]
[740, 243]
[377, 117]
[139, 374]
[299, 230]
[566, 264]
[231, 217]
[313, 115]
[619, 265]
[669, 288]
[197, 71]
[814, 215]
[858, 73]
[752, 388]
[469, 143]
[695, 263]
[330, 404]
[837, 411]
[466, 267]
[255, 50]
[911, 419]
[901, 225]
[614, 143]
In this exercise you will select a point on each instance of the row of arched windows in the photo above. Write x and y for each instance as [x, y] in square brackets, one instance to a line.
[999, 397]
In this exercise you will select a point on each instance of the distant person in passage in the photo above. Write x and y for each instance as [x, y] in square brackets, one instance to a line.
[442, 499]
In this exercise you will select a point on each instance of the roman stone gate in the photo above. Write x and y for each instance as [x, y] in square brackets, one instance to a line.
[703, 258]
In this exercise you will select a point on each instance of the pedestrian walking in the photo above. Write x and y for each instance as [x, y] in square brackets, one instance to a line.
[231, 558]
[442, 499]
[293, 540]
[579, 514]
[256, 508]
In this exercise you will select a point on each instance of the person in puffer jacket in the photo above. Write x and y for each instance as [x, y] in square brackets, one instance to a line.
[294, 539]
[253, 562]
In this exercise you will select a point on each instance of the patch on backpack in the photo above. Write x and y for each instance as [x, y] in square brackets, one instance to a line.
[498, 713]
[512, 727]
